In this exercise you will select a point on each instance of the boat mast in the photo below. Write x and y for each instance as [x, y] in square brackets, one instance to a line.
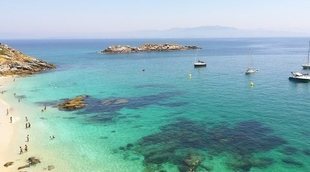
[308, 53]
[251, 58]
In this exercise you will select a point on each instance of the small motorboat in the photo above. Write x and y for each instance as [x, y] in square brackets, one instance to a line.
[250, 71]
[300, 77]
[200, 63]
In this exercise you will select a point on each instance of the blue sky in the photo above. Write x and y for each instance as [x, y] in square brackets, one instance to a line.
[91, 18]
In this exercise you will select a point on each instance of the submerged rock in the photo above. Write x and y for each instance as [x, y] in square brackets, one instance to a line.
[192, 162]
[13, 62]
[73, 104]
[122, 49]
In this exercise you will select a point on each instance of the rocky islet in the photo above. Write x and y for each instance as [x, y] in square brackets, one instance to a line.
[123, 49]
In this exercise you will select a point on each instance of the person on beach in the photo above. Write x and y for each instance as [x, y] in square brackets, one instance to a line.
[45, 107]
[26, 118]
[28, 125]
[11, 119]
[7, 111]
[26, 148]
[52, 137]
[27, 138]
[20, 150]
[14, 94]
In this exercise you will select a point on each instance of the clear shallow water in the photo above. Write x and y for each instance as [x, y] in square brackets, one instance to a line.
[214, 116]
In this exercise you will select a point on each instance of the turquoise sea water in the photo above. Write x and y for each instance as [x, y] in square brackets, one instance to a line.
[169, 119]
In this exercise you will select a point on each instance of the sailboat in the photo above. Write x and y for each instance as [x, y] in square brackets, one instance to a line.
[307, 65]
[250, 70]
[200, 63]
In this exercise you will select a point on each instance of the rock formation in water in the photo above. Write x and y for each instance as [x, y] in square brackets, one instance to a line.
[73, 104]
[147, 48]
[14, 62]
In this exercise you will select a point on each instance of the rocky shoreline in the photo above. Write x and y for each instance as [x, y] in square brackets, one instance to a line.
[14, 62]
[124, 49]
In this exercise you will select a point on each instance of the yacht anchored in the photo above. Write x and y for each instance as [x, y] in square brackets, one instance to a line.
[300, 77]
[250, 70]
[200, 63]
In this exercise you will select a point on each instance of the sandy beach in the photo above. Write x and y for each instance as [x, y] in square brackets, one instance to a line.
[10, 132]
[6, 128]
[13, 134]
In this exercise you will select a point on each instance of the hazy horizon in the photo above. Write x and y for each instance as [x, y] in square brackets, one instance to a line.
[125, 19]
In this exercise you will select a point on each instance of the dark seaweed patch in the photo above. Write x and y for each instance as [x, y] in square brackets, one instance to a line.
[178, 141]
[306, 152]
[289, 150]
[244, 139]
[104, 110]
[292, 162]
[247, 163]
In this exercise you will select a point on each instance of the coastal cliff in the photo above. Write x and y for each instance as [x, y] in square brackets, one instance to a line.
[122, 49]
[14, 62]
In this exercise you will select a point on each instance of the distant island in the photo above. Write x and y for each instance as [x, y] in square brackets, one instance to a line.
[14, 62]
[122, 49]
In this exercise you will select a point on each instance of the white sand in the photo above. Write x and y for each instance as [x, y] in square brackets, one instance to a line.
[6, 128]
[9, 132]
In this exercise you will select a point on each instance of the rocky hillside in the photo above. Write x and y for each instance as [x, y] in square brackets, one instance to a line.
[13, 62]
[147, 48]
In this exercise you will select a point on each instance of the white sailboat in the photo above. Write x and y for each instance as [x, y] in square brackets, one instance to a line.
[251, 70]
[307, 65]
[200, 63]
